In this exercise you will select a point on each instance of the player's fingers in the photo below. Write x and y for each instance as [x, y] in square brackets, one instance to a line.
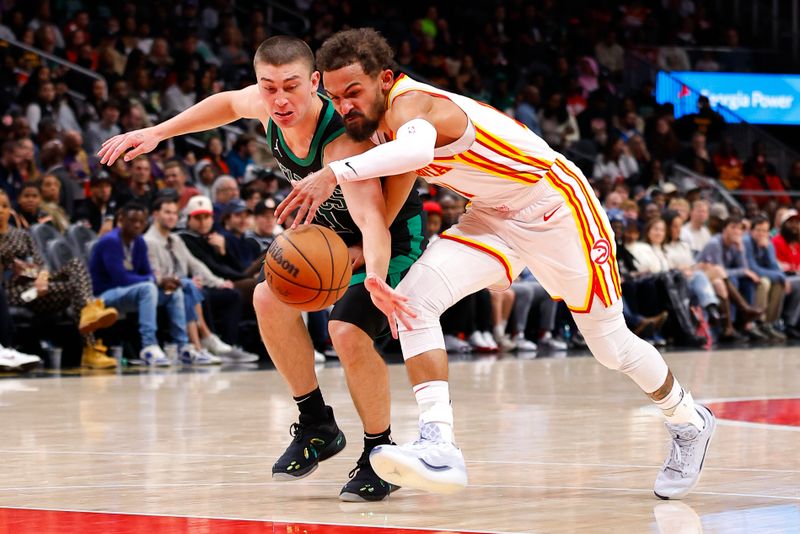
[285, 208]
[117, 152]
[133, 153]
[406, 310]
[406, 322]
[393, 325]
[312, 212]
[301, 213]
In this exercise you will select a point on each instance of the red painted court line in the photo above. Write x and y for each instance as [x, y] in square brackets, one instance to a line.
[27, 521]
[769, 411]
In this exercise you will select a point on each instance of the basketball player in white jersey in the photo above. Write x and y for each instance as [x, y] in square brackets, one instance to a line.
[530, 206]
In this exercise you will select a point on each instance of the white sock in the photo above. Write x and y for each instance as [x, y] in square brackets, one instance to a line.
[433, 399]
[678, 407]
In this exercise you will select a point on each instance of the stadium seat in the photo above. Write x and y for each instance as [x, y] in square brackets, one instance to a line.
[42, 235]
[79, 235]
[59, 252]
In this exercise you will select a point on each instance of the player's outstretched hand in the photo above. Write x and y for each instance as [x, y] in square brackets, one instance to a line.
[141, 141]
[390, 302]
[306, 197]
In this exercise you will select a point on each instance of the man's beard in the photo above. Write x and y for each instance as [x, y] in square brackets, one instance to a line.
[363, 129]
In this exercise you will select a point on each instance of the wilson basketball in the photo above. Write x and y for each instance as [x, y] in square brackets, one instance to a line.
[308, 268]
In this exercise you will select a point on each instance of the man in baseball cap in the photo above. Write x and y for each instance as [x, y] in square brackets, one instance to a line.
[266, 226]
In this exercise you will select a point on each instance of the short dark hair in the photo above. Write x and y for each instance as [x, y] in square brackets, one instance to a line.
[133, 205]
[284, 49]
[733, 219]
[163, 199]
[759, 219]
[364, 46]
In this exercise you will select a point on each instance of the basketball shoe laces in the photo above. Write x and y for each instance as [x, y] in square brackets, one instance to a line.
[683, 449]
[363, 461]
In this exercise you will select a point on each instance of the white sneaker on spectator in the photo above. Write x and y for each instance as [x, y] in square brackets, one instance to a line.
[191, 356]
[504, 343]
[153, 355]
[523, 344]
[489, 340]
[479, 342]
[547, 340]
[454, 344]
[239, 355]
[318, 357]
[213, 344]
[13, 360]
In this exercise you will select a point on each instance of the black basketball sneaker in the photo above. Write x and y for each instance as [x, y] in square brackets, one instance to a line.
[313, 442]
[364, 484]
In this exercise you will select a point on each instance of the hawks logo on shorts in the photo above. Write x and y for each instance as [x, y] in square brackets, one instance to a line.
[601, 250]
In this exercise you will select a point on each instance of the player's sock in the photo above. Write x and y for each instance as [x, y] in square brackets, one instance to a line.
[373, 440]
[678, 407]
[435, 412]
[312, 405]
[500, 329]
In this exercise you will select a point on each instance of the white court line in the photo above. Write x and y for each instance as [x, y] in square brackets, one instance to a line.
[482, 486]
[651, 409]
[469, 462]
[255, 520]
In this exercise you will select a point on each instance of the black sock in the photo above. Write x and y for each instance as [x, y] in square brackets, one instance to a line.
[373, 440]
[312, 405]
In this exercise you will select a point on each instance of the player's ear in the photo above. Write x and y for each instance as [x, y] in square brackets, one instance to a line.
[315, 81]
[387, 80]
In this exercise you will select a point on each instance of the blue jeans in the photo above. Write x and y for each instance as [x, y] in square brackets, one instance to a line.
[700, 287]
[144, 298]
[191, 297]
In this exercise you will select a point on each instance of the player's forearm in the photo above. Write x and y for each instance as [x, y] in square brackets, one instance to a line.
[377, 247]
[412, 149]
[212, 112]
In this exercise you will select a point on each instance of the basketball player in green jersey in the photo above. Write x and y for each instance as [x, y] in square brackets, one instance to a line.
[304, 132]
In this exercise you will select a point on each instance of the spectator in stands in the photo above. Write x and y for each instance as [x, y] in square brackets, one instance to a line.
[209, 247]
[180, 95]
[241, 155]
[66, 289]
[695, 233]
[76, 160]
[705, 121]
[234, 227]
[27, 166]
[175, 178]
[213, 153]
[558, 127]
[673, 57]
[52, 159]
[10, 176]
[762, 178]
[729, 165]
[610, 54]
[105, 128]
[205, 176]
[433, 217]
[266, 226]
[141, 189]
[170, 259]
[530, 295]
[98, 210]
[29, 204]
[526, 109]
[664, 144]
[772, 287]
[726, 250]
[615, 164]
[224, 190]
[123, 278]
[697, 158]
[787, 252]
[50, 188]
[452, 207]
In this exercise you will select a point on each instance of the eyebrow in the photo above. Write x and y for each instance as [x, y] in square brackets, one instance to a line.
[351, 84]
[294, 77]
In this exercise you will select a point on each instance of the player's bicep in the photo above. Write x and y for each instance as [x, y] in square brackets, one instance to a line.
[410, 106]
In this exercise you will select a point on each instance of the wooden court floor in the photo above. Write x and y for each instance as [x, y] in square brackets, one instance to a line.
[552, 445]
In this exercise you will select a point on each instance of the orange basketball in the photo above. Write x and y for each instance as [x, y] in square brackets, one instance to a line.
[308, 268]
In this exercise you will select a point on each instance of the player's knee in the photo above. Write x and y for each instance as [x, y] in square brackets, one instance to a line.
[264, 302]
[606, 334]
[348, 339]
[429, 294]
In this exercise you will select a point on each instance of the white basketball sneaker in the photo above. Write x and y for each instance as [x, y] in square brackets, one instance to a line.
[428, 465]
[153, 356]
[681, 471]
[213, 344]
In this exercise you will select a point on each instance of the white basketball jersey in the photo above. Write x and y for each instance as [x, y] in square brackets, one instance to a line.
[496, 160]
